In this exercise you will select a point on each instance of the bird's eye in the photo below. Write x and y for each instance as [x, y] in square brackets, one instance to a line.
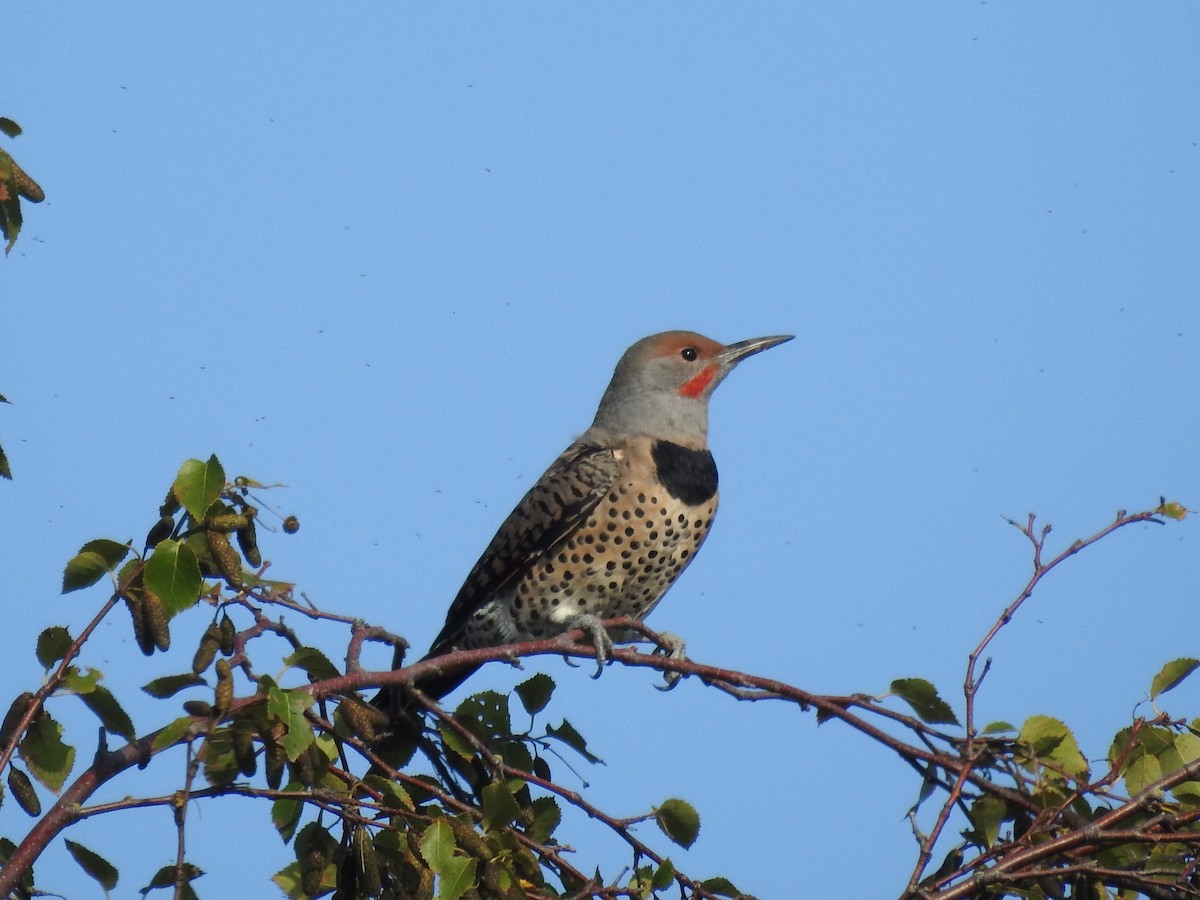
[689, 353]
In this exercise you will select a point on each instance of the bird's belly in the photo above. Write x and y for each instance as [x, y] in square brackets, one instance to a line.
[619, 562]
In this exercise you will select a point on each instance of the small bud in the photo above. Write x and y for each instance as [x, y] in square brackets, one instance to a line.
[22, 789]
[15, 713]
[226, 522]
[225, 557]
[227, 635]
[141, 634]
[243, 746]
[160, 532]
[26, 186]
[368, 865]
[364, 720]
[275, 758]
[304, 770]
[154, 616]
[201, 709]
[247, 539]
[207, 651]
[224, 689]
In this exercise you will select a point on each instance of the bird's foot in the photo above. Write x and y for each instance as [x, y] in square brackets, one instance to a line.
[672, 646]
[594, 629]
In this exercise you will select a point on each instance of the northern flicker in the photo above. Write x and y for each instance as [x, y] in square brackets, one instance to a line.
[615, 519]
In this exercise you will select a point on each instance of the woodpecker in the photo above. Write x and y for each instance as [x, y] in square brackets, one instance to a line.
[615, 519]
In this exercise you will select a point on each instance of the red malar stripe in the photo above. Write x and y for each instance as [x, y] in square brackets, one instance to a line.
[696, 386]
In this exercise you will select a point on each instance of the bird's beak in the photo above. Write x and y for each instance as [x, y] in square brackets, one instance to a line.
[738, 351]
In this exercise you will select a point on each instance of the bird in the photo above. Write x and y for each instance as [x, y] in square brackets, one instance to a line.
[614, 520]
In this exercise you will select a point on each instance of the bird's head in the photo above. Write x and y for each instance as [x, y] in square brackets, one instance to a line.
[662, 384]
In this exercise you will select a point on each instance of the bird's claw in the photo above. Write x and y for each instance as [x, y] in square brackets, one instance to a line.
[671, 646]
[594, 629]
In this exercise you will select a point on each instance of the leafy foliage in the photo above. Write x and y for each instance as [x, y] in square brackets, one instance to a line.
[923, 697]
[467, 805]
[15, 184]
[679, 821]
[94, 864]
[5, 470]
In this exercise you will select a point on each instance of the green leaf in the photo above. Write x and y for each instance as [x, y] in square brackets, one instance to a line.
[1171, 674]
[93, 560]
[313, 663]
[170, 734]
[102, 702]
[165, 877]
[173, 574]
[289, 708]
[1187, 745]
[285, 813]
[48, 758]
[437, 845]
[499, 807]
[1120, 745]
[456, 873]
[568, 735]
[546, 816]
[170, 685]
[517, 755]
[1170, 759]
[83, 570]
[679, 821]
[81, 681]
[928, 786]
[999, 728]
[52, 645]
[722, 887]
[1053, 742]
[311, 841]
[94, 864]
[393, 794]
[535, 693]
[663, 876]
[287, 880]
[1142, 772]
[113, 552]
[130, 572]
[5, 471]
[220, 763]
[198, 485]
[9, 127]
[1188, 792]
[923, 697]
[1172, 752]
[457, 877]
[639, 881]
[987, 813]
[455, 741]
[1172, 510]
[486, 715]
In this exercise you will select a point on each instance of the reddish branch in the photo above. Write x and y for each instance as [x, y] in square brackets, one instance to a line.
[972, 682]
[56, 678]
[952, 762]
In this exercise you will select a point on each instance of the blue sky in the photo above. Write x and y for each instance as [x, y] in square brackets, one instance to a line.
[388, 255]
